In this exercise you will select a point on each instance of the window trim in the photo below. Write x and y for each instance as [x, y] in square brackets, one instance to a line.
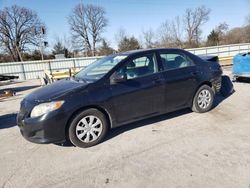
[138, 56]
[178, 53]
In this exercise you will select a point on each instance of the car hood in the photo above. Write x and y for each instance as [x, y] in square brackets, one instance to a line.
[55, 90]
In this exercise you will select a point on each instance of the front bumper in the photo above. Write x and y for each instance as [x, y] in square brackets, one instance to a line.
[49, 128]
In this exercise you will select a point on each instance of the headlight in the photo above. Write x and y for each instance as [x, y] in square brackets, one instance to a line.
[45, 108]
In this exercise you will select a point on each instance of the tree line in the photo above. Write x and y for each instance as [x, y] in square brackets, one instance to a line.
[23, 34]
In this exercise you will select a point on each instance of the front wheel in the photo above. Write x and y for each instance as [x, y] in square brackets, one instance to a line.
[203, 99]
[88, 128]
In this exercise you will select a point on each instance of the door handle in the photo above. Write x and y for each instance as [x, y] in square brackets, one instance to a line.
[194, 73]
[157, 81]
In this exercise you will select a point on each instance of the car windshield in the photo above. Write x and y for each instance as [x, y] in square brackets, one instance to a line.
[98, 69]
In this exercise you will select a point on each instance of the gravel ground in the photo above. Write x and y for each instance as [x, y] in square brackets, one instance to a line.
[180, 149]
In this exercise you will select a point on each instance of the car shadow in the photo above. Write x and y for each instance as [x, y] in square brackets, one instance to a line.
[8, 121]
[219, 98]
[119, 130]
[243, 80]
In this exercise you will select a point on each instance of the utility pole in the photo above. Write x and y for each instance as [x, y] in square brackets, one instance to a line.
[42, 42]
[85, 44]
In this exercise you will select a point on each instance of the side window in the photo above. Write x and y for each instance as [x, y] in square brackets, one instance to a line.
[140, 66]
[175, 60]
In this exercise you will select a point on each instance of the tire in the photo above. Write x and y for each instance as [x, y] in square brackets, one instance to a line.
[203, 104]
[88, 128]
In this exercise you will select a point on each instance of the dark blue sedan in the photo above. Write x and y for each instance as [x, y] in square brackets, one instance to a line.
[117, 90]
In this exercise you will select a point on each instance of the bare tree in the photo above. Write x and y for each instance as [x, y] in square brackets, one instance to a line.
[120, 34]
[248, 20]
[165, 36]
[221, 29]
[20, 28]
[87, 23]
[248, 28]
[193, 20]
[238, 35]
[170, 33]
[149, 38]
[177, 29]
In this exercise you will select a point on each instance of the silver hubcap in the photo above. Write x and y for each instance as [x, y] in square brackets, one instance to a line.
[204, 98]
[88, 129]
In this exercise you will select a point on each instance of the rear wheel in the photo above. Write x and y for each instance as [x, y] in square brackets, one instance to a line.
[203, 99]
[88, 128]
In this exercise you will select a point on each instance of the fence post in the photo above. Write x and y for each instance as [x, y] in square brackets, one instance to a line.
[50, 69]
[23, 71]
[74, 63]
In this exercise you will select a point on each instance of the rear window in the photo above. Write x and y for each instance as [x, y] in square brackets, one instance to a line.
[175, 61]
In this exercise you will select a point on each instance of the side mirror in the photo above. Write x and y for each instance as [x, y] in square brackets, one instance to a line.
[118, 77]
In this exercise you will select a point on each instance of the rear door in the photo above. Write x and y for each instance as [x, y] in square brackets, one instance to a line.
[142, 94]
[180, 75]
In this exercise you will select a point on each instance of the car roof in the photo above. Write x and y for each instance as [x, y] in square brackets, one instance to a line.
[139, 51]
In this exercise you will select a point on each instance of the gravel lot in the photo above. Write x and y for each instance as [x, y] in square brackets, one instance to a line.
[180, 149]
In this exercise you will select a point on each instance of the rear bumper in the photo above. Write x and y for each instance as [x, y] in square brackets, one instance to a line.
[216, 83]
[49, 128]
